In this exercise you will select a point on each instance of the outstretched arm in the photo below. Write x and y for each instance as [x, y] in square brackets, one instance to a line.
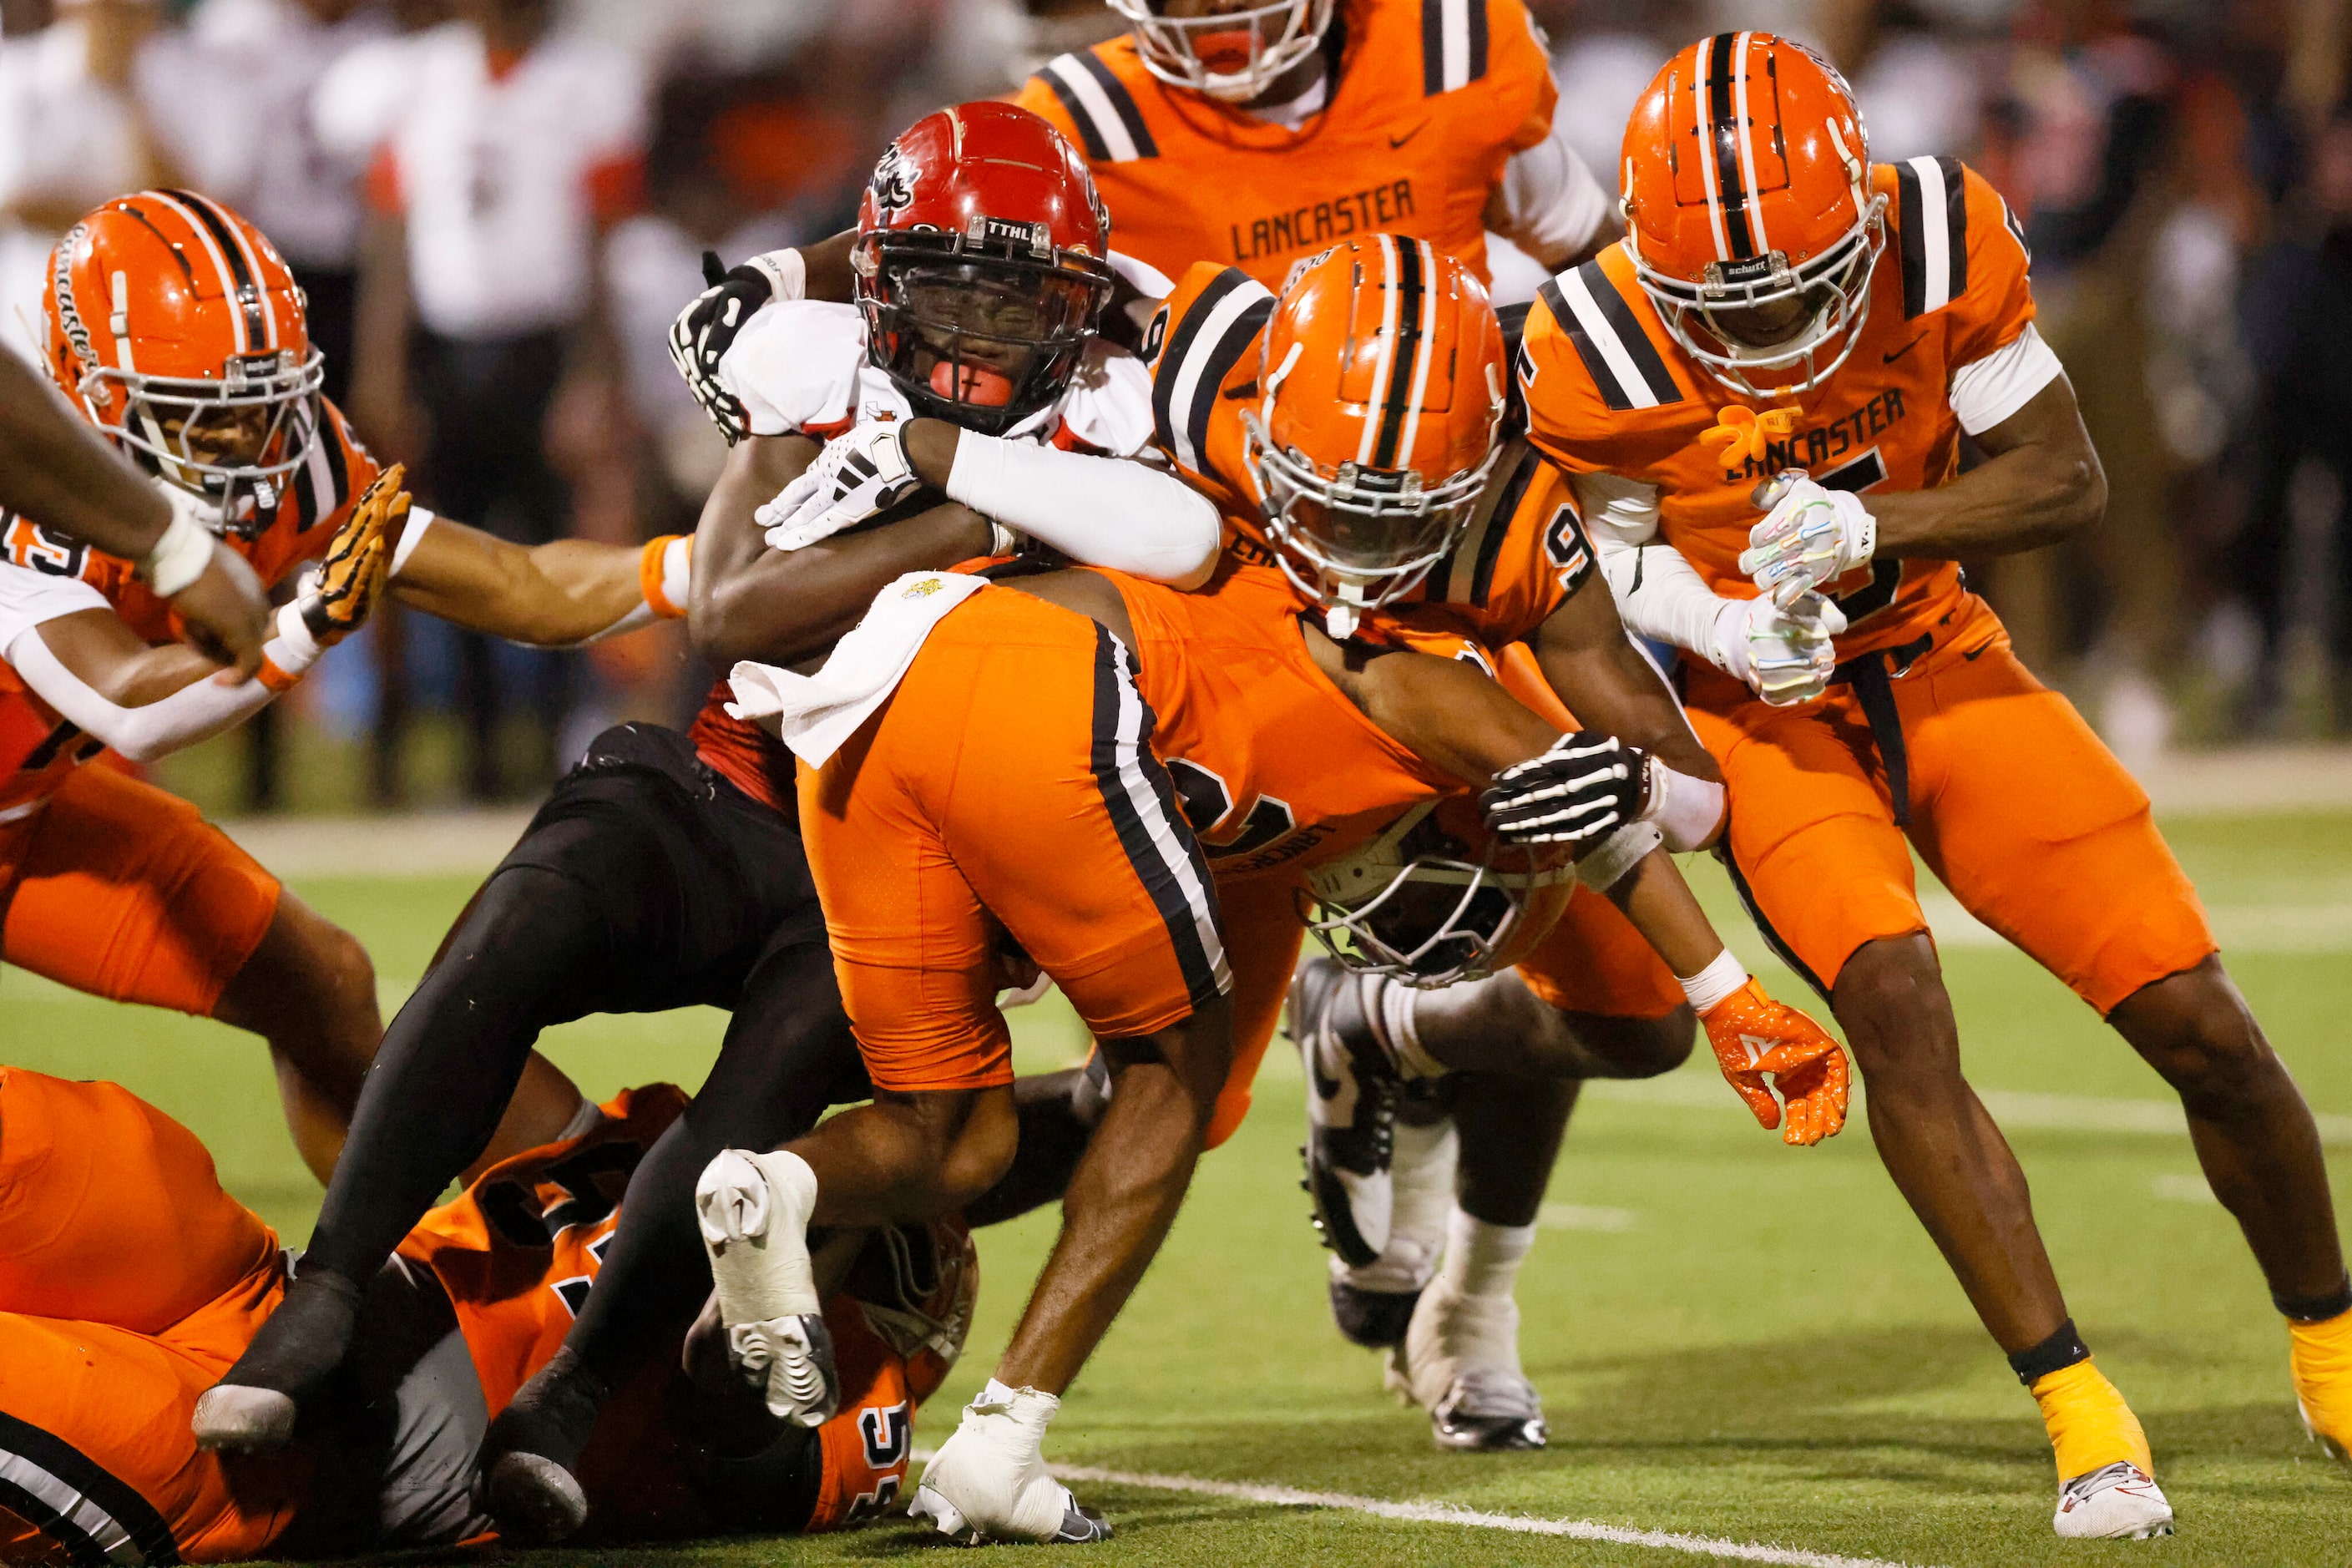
[559, 595]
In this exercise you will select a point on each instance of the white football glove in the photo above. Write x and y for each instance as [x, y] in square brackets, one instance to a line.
[1810, 536]
[861, 473]
[1786, 657]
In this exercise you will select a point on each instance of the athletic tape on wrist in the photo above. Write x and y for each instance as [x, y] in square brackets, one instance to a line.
[1685, 809]
[180, 556]
[1709, 986]
[1618, 854]
[292, 651]
[786, 271]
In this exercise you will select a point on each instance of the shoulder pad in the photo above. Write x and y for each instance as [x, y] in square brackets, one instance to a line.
[796, 364]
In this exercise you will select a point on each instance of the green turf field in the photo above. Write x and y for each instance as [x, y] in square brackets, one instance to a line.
[1734, 1340]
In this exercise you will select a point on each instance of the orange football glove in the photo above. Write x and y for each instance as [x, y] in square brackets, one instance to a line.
[1752, 1036]
[352, 574]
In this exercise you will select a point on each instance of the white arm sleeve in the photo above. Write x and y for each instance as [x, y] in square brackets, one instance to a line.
[1548, 204]
[1103, 511]
[1659, 595]
[1986, 391]
[193, 713]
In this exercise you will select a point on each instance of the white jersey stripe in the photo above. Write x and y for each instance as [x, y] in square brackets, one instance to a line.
[1935, 233]
[1453, 45]
[1745, 130]
[1197, 359]
[1169, 839]
[1385, 366]
[104, 1530]
[1099, 109]
[1595, 322]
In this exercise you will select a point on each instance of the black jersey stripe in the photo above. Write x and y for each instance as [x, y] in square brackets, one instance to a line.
[1723, 129]
[1477, 9]
[1647, 360]
[1178, 349]
[81, 1548]
[1217, 364]
[1925, 286]
[1956, 223]
[1405, 358]
[1498, 529]
[1090, 136]
[29, 1446]
[1910, 239]
[1432, 48]
[1596, 365]
[1122, 102]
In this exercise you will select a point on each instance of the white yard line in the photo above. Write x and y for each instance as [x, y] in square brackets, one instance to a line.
[1465, 1518]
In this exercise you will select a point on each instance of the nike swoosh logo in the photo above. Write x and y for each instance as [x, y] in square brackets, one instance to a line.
[1397, 142]
[1972, 655]
[1907, 348]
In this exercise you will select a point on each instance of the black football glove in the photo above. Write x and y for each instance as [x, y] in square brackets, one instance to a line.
[1585, 787]
[706, 329]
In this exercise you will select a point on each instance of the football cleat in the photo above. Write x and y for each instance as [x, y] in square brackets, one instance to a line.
[255, 1405]
[1352, 1085]
[1375, 1319]
[754, 1210]
[526, 1482]
[1460, 1361]
[2118, 1502]
[988, 1480]
[1373, 1305]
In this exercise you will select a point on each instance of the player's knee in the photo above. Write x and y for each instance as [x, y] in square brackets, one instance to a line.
[308, 977]
[1635, 1047]
[2196, 1030]
[1897, 1016]
[979, 1152]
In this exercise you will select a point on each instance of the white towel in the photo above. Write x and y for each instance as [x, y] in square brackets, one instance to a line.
[814, 714]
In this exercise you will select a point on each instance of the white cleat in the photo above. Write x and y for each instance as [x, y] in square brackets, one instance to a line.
[1460, 1361]
[754, 1210]
[988, 1481]
[2119, 1502]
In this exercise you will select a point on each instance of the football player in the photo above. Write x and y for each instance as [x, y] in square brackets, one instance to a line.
[177, 330]
[958, 717]
[1762, 394]
[1258, 133]
[129, 1279]
[669, 869]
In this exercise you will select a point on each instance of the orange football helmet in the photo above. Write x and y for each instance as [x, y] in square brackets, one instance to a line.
[1233, 53]
[1436, 899]
[178, 330]
[1747, 177]
[1381, 376]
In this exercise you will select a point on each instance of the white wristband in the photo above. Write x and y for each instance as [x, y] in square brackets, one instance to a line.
[295, 640]
[785, 271]
[1687, 810]
[1618, 854]
[181, 556]
[1709, 986]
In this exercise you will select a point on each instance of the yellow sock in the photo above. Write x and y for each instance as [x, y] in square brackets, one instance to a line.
[2091, 1427]
[2320, 1356]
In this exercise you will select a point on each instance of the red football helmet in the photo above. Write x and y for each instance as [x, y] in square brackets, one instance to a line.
[1749, 211]
[178, 329]
[1383, 382]
[1232, 52]
[1435, 898]
[982, 265]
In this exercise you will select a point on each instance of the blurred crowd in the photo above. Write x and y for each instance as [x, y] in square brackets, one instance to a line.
[497, 206]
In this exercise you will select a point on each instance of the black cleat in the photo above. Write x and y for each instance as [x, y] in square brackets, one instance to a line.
[1375, 1319]
[526, 1482]
[1351, 1103]
[255, 1405]
[1490, 1410]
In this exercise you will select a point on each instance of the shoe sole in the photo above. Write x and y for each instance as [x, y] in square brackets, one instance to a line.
[234, 1420]
[533, 1498]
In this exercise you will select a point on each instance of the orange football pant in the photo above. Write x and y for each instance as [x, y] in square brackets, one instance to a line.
[1007, 787]
[2016, 806]
[123, 890]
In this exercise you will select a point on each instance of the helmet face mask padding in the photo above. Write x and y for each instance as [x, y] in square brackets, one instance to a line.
[1231, 55]
[982, 266]
[1747, 190]
[1423, 907]
[1381, 397]
[176, 327]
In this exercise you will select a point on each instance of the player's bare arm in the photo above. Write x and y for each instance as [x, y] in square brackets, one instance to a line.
[2042, 484]
[1588, 659]
[558, 595]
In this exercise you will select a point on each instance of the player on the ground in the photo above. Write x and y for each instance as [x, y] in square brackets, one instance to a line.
[129, 1279]
[1256, 132]
[178, 332]
[1782, 305]
[669, 869]
[959, 716]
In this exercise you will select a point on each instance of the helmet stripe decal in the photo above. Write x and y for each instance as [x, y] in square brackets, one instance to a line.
[1707, 166]
[1751, 212]
[242, 261]
[237, 322]
[1723, 136]
[1409, 372]
[1384, 352]
[238, 280]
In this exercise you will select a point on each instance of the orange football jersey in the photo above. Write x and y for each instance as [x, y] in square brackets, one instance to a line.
[1608, 390]
[1273, 767]
[1428, 99]
[1522, 556]
[37, 747]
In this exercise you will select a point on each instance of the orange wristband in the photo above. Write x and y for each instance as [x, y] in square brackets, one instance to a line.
[652, 566]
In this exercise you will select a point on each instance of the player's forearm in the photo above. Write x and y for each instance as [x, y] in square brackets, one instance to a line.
[2043, 483]
[559, 595]
[1450, 713]
[1592, 665]
[55, 470]
[145, 708]
[1660, 905]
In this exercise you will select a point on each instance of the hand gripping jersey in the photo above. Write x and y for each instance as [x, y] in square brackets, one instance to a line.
[46, 576]
[1523, 555]
[1949, 346]
[1428, 99]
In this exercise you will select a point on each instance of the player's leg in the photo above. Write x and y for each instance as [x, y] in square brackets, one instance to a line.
[126, 892]
[1809, 815]
[617, 897]
[2082, 881]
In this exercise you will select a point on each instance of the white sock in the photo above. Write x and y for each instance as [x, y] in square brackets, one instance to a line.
[1425, 1159]
[1483, 1259]
[1393, 1014]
